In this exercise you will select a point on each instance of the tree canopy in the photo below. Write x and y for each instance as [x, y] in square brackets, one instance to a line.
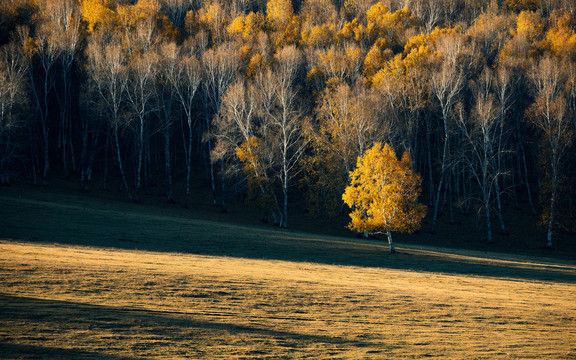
[383, 194]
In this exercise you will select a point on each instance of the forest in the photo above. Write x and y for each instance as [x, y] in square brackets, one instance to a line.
[277, 99]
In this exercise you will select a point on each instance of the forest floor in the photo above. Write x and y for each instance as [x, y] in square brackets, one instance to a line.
[91, 276]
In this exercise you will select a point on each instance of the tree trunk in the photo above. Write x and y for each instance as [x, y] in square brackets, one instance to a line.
[390, 242]
[140, 161]
[106, 161]
[188, 160]
[119, 159]
[499, 204]
[488, 222]
[552, 202]
[526, 179]
[223, 185]
[169, 191]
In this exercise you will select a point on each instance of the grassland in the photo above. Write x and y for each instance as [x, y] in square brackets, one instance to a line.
[92, 278]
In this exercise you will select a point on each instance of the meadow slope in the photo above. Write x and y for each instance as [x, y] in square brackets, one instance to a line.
[88, 278]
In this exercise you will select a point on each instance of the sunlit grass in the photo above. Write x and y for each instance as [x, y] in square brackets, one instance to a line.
[124, 303]
[86, 278]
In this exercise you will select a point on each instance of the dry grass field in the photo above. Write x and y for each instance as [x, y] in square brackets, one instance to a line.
[96, 279]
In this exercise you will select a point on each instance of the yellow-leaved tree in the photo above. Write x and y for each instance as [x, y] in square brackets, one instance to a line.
[383, 194]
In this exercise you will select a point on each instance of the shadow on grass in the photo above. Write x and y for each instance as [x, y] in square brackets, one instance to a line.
[118, 328]
[127, 226]
[20, 351]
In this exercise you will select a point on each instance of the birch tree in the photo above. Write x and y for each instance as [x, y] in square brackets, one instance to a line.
[383, 194]
[282, 117]
[12, 96]
[549, 115]
[220, 66]
[142, 71]
[446, 86]
[108, 75]
[480, 155]
[186, 78]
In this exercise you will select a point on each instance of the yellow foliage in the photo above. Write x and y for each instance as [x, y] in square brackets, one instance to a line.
[383, 24]
[354, 55]
[351, 31]
[256, 65]
[528, 24]
[258, 187]
[427, 40]
[561, 39]
[383, 193]
[373, 62]
[320, 36]
[283, 23]
[247, 154]
[247, 27]
[129, 15]
[279, 13]
[214, 20]
[96, 13]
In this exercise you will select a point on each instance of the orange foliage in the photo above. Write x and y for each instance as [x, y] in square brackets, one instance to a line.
[96, 13]
[561, 38]
[383, 193]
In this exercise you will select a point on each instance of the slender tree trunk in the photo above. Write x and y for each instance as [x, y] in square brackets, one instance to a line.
[525, 166]
[499, 205]
[285, 208]
[223, 185]
[429, 158]
[119, 160]
[209, 155]
[140, 160]
[443, 173]
[45, 130]
[188, 161]
[84, 156]
[390, 242]
[169, 190]
[488, 221]
[552, 215]
[106, 146]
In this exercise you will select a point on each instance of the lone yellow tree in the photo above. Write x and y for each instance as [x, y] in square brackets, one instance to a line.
[383, 194]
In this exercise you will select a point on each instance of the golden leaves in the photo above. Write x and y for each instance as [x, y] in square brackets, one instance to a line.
[383, 193]
[96, 13]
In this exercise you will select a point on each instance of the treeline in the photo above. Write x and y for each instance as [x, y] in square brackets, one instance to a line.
[266, 97]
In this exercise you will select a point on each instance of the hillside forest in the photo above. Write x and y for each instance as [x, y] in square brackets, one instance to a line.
[277, 99]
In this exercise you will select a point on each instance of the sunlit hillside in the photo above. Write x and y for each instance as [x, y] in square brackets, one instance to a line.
[85, 280]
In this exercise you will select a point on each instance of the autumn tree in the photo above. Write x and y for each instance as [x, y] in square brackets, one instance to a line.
[220, 66]
[383, 194]
[165, 97]
[447, 84]
[480, 154]
[185, 79]
[63, 18]
[282, 22]
[41, 53]
[108, 76]
[142, 71]
[549, 115]
[240, 141]
[12, 97]
[97, 14]
[282, 116]
[347, 123]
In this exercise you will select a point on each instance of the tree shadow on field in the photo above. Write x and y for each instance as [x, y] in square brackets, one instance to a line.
[129, 226]
[21, 351]
[115, 329]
